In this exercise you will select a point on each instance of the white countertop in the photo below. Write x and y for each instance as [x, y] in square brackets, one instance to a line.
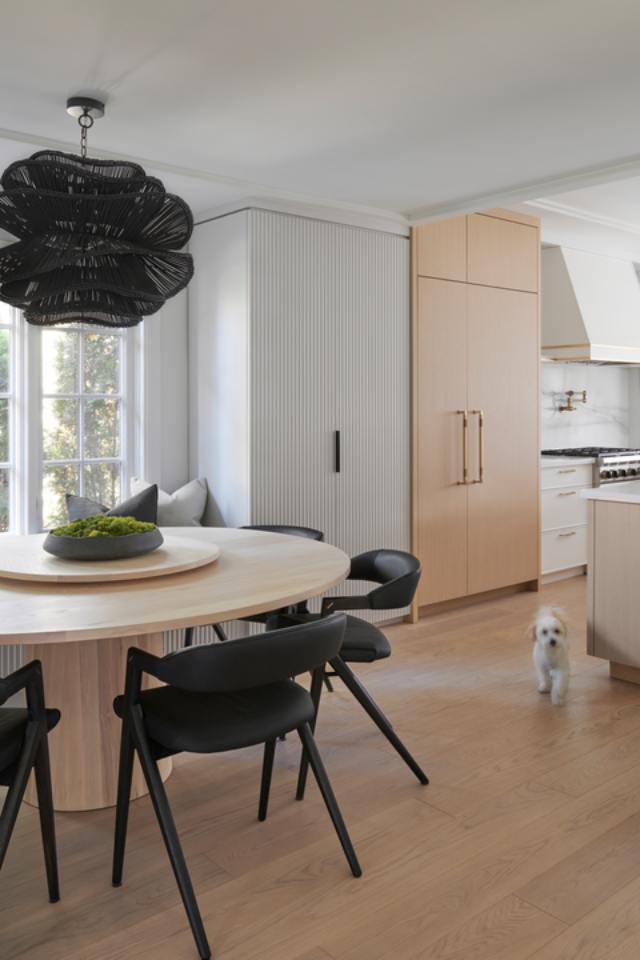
[626, 492]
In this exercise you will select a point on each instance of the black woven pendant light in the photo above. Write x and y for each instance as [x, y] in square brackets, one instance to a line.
[97, 240]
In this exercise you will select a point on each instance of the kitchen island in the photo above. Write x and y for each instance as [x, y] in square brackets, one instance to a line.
[613, 577]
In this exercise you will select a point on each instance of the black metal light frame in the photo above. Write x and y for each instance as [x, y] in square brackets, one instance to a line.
[98, 241]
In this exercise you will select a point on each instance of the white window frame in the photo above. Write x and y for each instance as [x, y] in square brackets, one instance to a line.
[26, 420]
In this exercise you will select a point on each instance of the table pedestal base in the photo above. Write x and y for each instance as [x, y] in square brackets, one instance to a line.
[81, 680]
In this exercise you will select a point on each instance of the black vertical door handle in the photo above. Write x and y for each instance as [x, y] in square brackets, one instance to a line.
[336, 450]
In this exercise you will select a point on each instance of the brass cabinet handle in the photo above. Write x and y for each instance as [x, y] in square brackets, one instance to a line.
[569, 493]
[568, 470]
[480, 415]
[571, 534]
[465, 446]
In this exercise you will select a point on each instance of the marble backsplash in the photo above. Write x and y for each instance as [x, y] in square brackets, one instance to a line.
[611, 415]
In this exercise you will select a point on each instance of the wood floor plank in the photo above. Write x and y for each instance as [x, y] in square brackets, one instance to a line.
[510, 930]
[576, 885]
[595, 766]
[524, 844]
[610, 932]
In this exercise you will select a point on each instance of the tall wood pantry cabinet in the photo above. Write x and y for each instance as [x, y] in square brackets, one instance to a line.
[299, 344]
[475, 430]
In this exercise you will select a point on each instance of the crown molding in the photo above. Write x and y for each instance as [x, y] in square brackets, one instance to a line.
[529, 191]
[257, 193]
[364, 218]
[263, 195]
[578, 213]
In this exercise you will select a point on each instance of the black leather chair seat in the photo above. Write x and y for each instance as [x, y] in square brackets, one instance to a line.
[363, 642]
[13, 721]
[178, 720]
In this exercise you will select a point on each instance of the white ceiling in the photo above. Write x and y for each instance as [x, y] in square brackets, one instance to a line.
[412, 106]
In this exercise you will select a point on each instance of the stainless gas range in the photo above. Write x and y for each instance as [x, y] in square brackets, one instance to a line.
[612, 464]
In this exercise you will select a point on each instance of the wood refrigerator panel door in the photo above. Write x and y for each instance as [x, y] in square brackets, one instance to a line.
[503, 384]
[371, 359]
[292, 380]
[441, 497]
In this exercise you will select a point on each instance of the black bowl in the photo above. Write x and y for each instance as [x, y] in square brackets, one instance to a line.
[103, 548]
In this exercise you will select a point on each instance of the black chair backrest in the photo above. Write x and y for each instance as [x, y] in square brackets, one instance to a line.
[253, 661]
[397, 572]
[307, 532]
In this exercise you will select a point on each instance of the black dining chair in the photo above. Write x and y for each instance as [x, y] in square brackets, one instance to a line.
[24, 747]
[308, 533]
[397, 574]
[219, 697]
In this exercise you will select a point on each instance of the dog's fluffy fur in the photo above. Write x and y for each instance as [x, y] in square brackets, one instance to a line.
[551, 654]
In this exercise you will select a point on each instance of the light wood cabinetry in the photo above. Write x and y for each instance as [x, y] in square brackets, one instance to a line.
[503, 384]
[442, 249]
[502, 253]
[442, 505]
[476, 361]
[613, 604]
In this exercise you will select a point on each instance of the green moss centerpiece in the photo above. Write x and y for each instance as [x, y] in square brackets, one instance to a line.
[102, 537]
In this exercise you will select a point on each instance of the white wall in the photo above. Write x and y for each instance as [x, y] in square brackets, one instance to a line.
[611, 416]
[219, 356]
[165, 395]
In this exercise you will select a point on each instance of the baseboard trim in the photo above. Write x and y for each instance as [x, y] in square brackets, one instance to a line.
[555, 575]
[469, 601]
[622, 671]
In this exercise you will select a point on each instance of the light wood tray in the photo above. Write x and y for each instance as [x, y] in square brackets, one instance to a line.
[22, 558]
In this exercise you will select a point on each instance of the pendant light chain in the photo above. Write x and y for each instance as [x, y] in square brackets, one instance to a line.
[86, 122]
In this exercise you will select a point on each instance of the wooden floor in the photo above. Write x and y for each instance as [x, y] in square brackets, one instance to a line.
[525, 844]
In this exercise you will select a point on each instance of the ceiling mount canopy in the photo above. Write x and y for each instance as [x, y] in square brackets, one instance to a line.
[98, 241]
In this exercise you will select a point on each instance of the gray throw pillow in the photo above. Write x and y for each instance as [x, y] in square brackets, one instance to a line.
[182, 508]
[143, 506]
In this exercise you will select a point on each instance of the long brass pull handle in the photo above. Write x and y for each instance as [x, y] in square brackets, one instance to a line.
[480, 415]
[569, 470]
[572, 534]
[465, 447]
[570, 493]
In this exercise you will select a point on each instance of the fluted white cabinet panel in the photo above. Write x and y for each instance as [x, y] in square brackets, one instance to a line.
[307, 323]
[370, 304]
[292, 372]
[11, 658]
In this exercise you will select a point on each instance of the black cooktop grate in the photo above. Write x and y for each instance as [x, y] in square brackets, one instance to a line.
[588, 451]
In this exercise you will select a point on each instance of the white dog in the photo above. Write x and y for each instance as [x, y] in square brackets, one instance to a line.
[551, 654]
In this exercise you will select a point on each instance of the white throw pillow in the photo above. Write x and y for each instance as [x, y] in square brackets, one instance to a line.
[184, 508]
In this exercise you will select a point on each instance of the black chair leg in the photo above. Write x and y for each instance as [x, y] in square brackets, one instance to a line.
[13, 799]
[169, 833]
[317, 679]
[265, 786]
[361, 694]
[314, 758]
[47, 822]
[219, 632]
[125, 774]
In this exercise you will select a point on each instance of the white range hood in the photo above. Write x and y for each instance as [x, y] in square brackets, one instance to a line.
[590, 307]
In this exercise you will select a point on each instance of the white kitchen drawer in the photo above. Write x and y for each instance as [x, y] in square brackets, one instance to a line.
[580, 475]
[564, 548]
[563, 507]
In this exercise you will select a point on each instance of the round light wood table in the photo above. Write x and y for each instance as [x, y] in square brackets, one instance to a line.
[81, 633]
